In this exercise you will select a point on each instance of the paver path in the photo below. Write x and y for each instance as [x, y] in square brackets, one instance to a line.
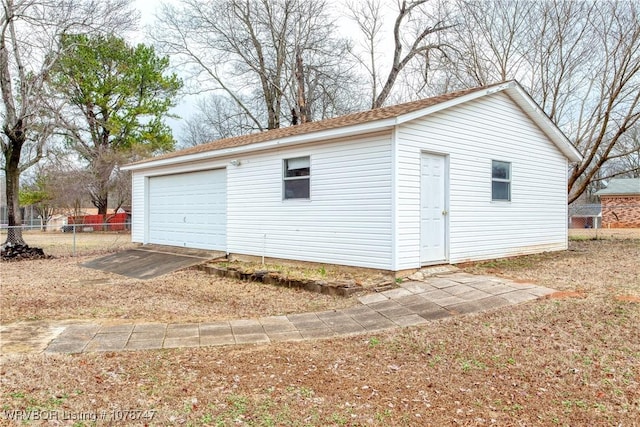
[413, 303]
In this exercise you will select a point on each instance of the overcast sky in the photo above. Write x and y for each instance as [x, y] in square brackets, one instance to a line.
[185, 107]
[147, 10]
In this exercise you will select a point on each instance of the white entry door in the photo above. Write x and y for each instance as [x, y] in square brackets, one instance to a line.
[433, 209]
[189, 210]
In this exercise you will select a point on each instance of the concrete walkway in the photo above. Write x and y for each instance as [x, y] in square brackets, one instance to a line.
[413, 303]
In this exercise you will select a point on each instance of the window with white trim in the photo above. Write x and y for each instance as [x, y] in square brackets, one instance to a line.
[296, 178]
[500, 180]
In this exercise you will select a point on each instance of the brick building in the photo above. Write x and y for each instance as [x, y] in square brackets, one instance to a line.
[620, 203]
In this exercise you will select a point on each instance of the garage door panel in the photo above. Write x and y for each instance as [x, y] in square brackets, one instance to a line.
[189, 210]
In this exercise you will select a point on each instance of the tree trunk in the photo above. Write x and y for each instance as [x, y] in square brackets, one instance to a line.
[12, 175]
[100, 201]
[46, 212]
[301, 97]
[102, 168]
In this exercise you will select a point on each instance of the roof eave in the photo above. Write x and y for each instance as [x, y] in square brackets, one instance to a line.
[342, 132]
[616, 193]
[512, 88]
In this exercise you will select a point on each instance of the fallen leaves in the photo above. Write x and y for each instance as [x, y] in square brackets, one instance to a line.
[70, 291]
[570, 361]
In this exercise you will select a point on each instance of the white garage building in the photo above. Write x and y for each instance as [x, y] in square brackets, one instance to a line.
[471, 175]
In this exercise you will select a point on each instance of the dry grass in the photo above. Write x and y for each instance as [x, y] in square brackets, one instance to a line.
[366, 277]
[60, 244]
[560, 361]
[56, 289]
[599, 268]
[604, 233]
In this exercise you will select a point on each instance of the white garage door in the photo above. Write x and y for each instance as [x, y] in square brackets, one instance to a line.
[189, 210]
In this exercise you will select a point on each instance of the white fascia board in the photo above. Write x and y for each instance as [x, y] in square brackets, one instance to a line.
[533, 110]
[323, 135]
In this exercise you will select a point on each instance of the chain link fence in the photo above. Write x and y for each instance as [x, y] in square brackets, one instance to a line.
[74, 239]
[89, 239]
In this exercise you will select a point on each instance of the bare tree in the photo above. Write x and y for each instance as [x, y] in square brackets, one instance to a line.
[30, 33]
[323, 83]
[490, 41]
[40, 194]
[70, 188]
[216, 117]
[61, 184]
[121, 190]
[417, 36]
[368, 16]
[612, 105]
[579, 60]
[624, 160]
[247, 51]
[422, 42]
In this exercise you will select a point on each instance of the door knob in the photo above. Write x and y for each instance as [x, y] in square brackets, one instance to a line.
[445, 213]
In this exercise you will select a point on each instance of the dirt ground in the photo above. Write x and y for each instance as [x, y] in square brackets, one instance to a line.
[572, 359]
[60, 244]
[604, 233]
[57, 289]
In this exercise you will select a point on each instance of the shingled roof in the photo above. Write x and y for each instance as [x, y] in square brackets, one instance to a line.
[327, 124]
[379, 116]
[587, 210]
[621, 187]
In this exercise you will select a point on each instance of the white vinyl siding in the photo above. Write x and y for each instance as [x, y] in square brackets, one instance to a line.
[473, 134]
[364, 205]
[346, 221]
[137, 207]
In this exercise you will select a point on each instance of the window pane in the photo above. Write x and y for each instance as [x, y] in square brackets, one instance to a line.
[297, 167]
[291, 173]
[500, 170]
[296, 189]
[299, 163]
[500, 190]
